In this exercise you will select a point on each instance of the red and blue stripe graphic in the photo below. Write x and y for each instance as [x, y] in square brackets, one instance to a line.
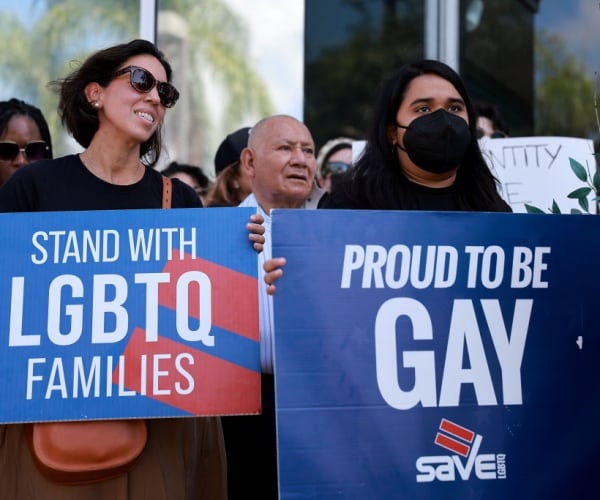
[454, 438]
[226, 377]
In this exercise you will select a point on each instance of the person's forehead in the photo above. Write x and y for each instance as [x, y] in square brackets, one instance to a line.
[23, 127]
[343, 154]
[285, 130]
[429, 86]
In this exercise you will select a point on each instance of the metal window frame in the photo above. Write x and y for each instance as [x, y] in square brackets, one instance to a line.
[442, 31]
[148, 9]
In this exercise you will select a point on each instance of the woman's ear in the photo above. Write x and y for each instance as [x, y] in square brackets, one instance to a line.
[93, 93]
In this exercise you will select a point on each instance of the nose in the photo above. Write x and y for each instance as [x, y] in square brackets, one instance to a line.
[21, 158]
[153, 95]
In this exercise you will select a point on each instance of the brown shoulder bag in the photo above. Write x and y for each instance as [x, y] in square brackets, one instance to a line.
[86, 451]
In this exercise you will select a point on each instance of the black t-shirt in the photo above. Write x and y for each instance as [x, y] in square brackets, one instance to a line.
[420, 198]
[65, 184]
[414, 197]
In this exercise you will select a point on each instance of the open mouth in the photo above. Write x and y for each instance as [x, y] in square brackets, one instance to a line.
[145, 116]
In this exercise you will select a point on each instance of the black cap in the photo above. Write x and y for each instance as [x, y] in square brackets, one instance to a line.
[230, 149]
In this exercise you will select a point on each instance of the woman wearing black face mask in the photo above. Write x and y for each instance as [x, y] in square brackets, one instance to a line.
[422, 152]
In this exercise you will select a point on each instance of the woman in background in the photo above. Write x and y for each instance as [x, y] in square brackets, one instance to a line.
[24, 136]
[232, 184]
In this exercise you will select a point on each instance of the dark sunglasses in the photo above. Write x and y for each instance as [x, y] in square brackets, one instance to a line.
[143, 81]
[336, 167]
[33, 150]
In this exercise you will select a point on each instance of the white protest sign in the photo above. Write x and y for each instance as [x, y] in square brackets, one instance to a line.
[357, 149]
[537, 170]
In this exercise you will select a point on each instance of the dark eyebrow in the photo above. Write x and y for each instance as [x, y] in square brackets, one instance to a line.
[427, 100]
[458, 100]
[424, 100]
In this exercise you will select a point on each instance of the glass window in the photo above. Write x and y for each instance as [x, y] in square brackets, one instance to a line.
[349, 46]
[234, 62]
[42, 40]
[536, 60]
[566, 66]
[497, 57]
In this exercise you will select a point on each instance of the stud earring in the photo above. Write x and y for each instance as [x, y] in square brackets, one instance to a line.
[96, 105]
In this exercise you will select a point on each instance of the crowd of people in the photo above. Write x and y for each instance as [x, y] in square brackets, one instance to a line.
[421, 153]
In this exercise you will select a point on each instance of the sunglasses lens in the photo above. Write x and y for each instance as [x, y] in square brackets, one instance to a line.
[36, 150]
[8, 151]
[142, 80]
[168, 94]
[337, 167]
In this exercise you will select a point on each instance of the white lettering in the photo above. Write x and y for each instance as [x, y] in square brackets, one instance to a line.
[73, 311]
[386, 355]
[464, 336]
[401, 265]
[16, 337]
[202, 333]
[102, 307]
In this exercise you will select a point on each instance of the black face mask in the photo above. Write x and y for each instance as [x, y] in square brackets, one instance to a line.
[437, 142]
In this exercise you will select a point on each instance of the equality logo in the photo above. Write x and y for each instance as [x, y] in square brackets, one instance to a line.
[465, 460]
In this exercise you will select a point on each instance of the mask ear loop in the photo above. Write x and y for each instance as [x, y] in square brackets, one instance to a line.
[396, 145]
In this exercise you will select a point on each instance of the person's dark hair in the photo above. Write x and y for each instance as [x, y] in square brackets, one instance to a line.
[493, 113]
[230, 149]
[16, 107]
[192, 170]
[77, 114]
[377, 181]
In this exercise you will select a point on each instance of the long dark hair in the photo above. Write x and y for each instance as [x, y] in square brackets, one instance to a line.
[16, 107]
[377, 181]
[77, 114]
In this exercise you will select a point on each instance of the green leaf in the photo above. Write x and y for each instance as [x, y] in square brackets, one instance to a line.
[584, 203]
[576, 211]
[533, 210]
[578, 169]
[555, 208]
[596, 181]
[580, 193]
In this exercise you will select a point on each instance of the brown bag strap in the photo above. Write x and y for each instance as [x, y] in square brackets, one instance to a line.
[167, 189]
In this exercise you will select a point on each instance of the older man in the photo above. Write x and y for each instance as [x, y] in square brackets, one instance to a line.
[280, 159]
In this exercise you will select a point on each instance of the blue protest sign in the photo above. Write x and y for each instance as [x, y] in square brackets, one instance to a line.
[139, 313]
[426, 355]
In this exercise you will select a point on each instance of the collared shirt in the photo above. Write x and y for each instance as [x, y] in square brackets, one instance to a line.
[265, 301]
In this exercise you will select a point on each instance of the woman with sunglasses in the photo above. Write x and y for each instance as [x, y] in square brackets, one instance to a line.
[24, 136]
[114, 105]
[334, 158]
